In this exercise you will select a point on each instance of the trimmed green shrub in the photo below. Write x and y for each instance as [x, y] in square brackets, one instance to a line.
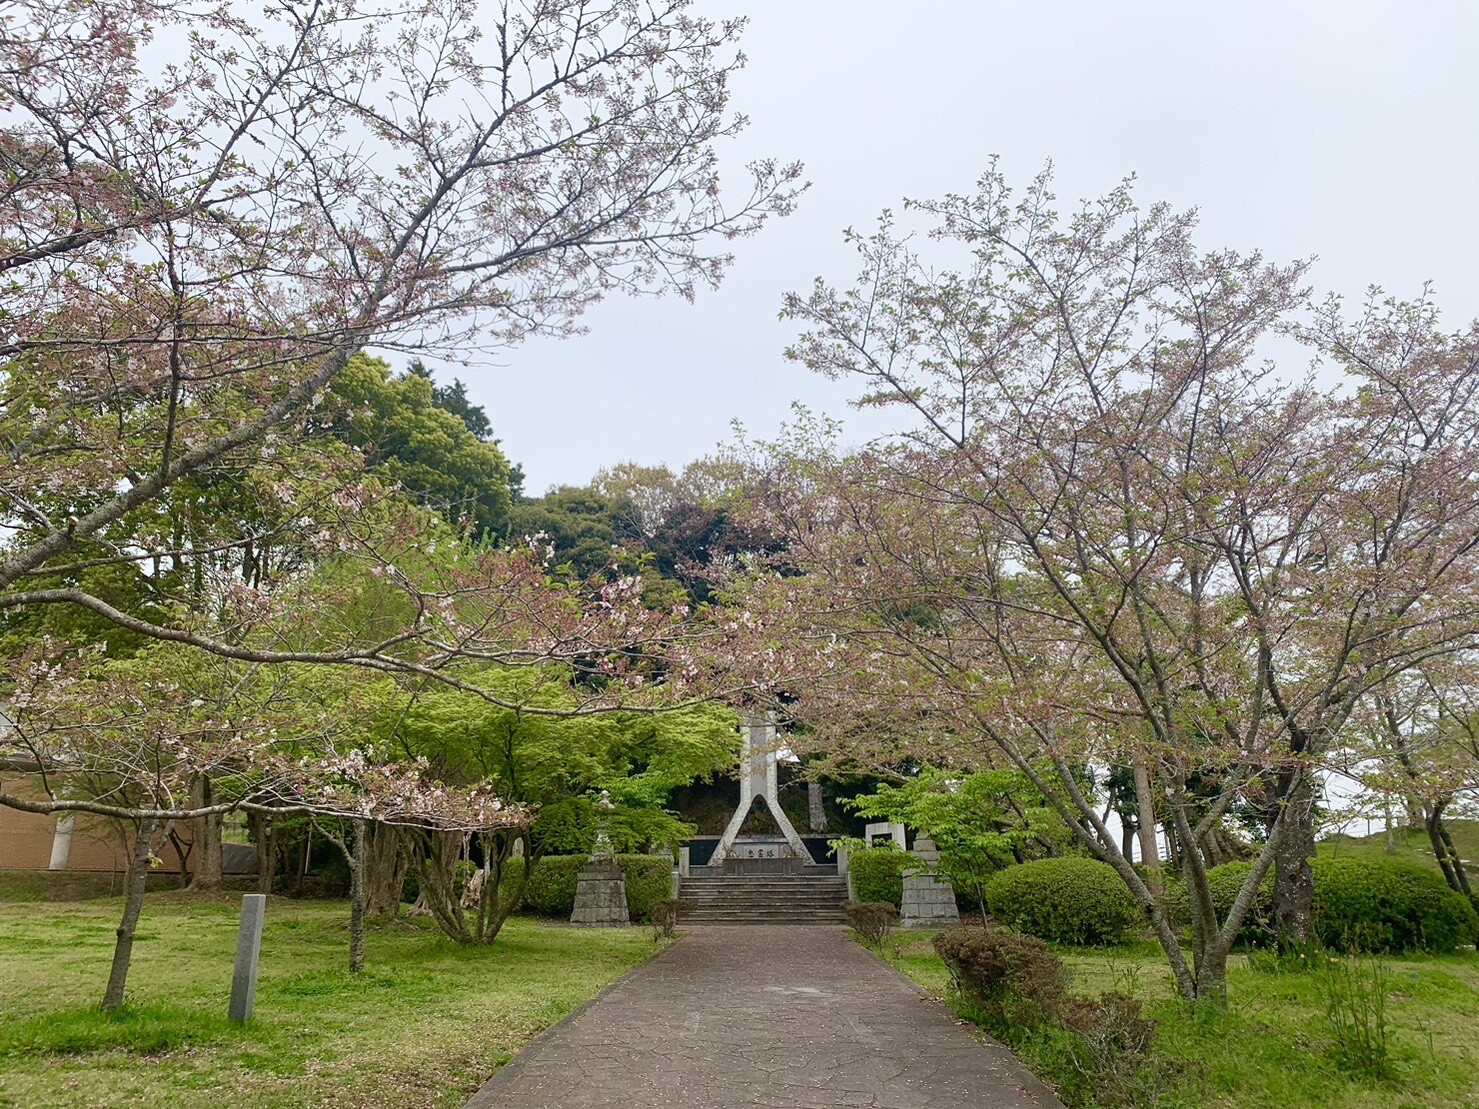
[1389, 906]
[1075, 901]
[872, 920]
[1227, 882]
[551, 887]
[878, 874]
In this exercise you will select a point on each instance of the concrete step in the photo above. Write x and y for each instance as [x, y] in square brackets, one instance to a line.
[751, 899]
[762, 918]
[746, 885]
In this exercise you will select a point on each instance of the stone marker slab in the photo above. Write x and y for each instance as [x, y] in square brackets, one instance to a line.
[248, 949]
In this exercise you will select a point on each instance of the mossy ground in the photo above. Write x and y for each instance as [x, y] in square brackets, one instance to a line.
[424, 1025]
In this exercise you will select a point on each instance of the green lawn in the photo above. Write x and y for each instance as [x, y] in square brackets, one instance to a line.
[424, 1025]
[1409, 844]
[1274, 1047]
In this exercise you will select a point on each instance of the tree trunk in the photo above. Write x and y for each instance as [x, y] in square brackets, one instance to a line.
[1150, 855]
[387, 858]
[1449, 860]
[1211, 971]
[357, 899]
[472, 919]
[1127, 837]
[206, 852]
[437, 856]
[303, 866]
[816, 812]
[265, 836]
[1455, 860]
[135, 878]
[1294, 882]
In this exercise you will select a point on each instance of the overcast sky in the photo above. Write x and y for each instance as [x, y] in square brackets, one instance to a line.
[1345, 130]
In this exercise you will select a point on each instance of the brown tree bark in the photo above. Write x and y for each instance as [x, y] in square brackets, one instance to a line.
[1150, 856]
[265, 836]
[1449, 860]
[135, 878]
[816, 811]
[437, 855]
[387, 859]
[357, 898]
[206, 852]
[1294, 881]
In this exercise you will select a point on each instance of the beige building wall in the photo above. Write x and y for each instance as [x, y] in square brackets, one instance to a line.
[99, 844]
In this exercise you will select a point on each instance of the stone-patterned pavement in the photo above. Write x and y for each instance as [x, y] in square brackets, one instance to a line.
[779, 1017]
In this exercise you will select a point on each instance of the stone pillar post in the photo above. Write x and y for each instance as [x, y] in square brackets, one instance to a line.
[61, 842]
[929, 901]
[601, 889]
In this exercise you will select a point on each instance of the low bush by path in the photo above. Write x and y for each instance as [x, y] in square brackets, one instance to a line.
[1275, 1044]
[424, 1025]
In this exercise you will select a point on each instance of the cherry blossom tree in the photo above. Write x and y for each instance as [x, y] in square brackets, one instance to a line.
[130, 740]
[1111, 534]
[1417, 739]
[209, 211]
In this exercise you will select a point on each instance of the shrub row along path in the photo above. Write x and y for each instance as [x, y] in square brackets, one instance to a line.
[780, 1017]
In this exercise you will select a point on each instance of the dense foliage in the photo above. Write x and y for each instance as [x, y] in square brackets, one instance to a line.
[981, 822]
[878, 874]
[1070, 900]
[1389, 906]
[397, 422]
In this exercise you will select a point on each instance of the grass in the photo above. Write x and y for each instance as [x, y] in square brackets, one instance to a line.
[424, 1025]
[1274, 1045]
[1408, 844]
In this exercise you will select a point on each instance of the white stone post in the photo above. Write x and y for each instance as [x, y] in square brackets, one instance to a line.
[61, 842]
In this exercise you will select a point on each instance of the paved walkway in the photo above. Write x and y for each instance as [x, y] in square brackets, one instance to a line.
[781, 1017]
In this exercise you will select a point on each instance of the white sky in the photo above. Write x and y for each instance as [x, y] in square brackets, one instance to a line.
[1347, 130]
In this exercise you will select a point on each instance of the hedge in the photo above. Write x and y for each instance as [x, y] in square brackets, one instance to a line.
[1373, 905]
[1389, 906]
[878, 874]
[551, 887]
[1072, 900]
[1226, 882]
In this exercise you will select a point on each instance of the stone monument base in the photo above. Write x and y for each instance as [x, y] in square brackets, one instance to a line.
[928, 902]
[601, 896]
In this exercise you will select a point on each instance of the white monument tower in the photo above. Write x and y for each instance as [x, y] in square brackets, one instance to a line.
[758, 779]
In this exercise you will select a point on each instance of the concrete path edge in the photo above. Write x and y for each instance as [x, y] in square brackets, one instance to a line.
[1030, 1081]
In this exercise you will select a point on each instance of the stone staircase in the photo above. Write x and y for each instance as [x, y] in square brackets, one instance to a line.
[809, 895]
